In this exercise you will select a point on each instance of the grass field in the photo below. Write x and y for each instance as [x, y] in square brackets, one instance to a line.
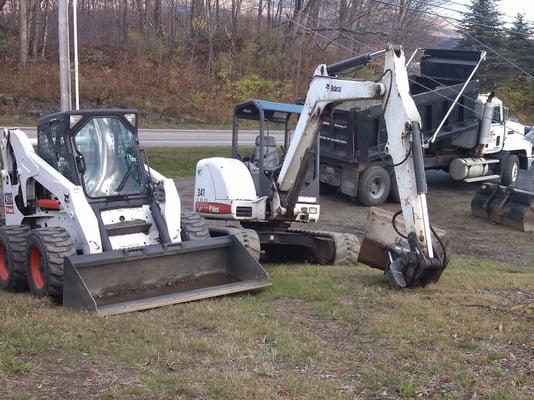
[179, 162]
[317, 333]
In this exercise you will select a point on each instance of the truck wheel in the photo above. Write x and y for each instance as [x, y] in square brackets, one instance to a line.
[13, 239]
[510, 170]
[374, 186]
[193, 226]
[394, 196]
[45, 256]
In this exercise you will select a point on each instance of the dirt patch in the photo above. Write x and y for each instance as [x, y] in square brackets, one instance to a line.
[449, 205]
[54, 376]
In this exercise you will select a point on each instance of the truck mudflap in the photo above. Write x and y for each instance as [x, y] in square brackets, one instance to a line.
[383, 248]
[137, 279]
[505, 205]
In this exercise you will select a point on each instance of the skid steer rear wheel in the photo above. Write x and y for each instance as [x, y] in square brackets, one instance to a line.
[193, 227]
[13, 240]
[45, 255]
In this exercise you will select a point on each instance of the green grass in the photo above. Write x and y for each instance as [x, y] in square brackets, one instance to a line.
[331, 333]
[180, 162]
[316, 333]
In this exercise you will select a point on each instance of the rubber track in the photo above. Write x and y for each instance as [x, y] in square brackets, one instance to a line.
[17, 237]
[193, 226]
[347, 245]
[58, 245]
[247, 237]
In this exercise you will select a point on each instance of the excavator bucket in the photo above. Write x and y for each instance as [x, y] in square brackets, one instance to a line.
[137, 279]
[505, 205]
[380, 236]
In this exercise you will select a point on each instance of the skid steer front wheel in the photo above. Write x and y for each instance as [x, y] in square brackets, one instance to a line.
[13, 240]
[45, 254]
[193, 226]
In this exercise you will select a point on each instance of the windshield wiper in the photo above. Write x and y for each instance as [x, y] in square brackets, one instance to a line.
[125, 178]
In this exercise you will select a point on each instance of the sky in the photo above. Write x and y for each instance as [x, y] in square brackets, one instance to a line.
[512, 7]
[508, 7]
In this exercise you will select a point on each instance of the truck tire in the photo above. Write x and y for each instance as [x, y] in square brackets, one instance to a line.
[13, 239]
[193, 226]
[374, 186]
[510, 170]
[45, 255]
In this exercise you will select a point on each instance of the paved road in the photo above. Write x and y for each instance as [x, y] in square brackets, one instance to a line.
[189, 137]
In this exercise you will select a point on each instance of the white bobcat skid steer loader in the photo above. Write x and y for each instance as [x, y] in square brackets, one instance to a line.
[88, 222]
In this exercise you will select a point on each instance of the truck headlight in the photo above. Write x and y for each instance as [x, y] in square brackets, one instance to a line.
[313, 210]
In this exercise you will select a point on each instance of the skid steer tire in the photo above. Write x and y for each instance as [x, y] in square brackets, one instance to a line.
[247, 237]
[193, 227]
[13, 241]
[45, 255]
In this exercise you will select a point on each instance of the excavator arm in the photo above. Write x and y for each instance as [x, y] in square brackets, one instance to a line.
[412, 258]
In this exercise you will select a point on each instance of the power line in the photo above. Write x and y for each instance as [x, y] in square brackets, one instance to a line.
[410, 79]
[449, 18]
[341, 33]
[503, 14]
[498, 54]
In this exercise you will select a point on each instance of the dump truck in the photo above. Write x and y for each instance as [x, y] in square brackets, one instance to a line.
[465, 133]
[268, 190]
[89, 223]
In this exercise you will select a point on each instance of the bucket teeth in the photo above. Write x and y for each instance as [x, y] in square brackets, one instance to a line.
[505, 205]
[395, 275]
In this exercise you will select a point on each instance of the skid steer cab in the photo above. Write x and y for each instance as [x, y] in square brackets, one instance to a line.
[88, 222]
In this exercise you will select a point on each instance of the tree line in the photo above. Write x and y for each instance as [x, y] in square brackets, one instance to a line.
[195, 57]
[509, 69]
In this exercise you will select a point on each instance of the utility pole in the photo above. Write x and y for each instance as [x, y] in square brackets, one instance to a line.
[64, 58]
[76, 66]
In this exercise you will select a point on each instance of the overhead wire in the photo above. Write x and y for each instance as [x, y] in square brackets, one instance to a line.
[352, 52]
[444, 17]
[447, 19]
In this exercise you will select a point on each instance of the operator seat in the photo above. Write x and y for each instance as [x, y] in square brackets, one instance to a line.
[271, 158]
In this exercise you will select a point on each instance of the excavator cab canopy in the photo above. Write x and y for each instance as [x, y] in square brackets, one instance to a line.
[267, 157]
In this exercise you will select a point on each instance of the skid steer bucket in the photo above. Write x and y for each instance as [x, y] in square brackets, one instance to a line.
[505, 205]
[380, 237]
[137, 279]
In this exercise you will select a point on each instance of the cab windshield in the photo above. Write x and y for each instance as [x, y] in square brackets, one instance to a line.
[112, 166]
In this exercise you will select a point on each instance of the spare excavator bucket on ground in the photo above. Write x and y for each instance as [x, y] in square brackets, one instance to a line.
[505, 205]
[380, 236]
[137, 279]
